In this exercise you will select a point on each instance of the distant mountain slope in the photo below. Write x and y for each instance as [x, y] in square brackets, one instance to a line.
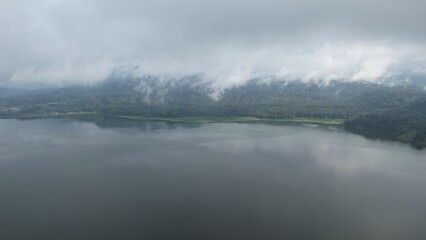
[405, 124]
[191, 96]
[9, 92]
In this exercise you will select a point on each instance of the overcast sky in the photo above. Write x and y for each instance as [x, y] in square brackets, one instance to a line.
[59, 42]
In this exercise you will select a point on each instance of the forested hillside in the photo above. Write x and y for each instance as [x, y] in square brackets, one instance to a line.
[405, 124]
[190, 96]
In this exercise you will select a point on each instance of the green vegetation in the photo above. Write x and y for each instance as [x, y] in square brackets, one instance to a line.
[190, 119]
[366, 108]
[406, 124]
[236, 119]
[190, 97]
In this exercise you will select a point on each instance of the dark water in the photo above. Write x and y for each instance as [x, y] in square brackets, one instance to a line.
[70, 179]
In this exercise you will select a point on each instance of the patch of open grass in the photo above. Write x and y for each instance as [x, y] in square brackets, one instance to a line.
[194, 119]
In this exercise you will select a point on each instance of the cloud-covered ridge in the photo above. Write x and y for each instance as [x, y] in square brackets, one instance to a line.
[61, 42]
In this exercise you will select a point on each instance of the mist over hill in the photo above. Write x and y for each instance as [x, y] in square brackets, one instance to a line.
[9, 92]
[193, 96]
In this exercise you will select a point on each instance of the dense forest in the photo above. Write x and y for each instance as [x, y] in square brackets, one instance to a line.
[398, 112]
[405, 124]
[190, 96]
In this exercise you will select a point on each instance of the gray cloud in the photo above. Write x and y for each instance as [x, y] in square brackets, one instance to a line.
[57, 42]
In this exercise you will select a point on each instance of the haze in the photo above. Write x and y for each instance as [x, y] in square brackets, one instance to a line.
[61, 42]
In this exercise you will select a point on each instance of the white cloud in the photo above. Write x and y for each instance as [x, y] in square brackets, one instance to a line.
[234, 65]
[59, 42]
[60, 75]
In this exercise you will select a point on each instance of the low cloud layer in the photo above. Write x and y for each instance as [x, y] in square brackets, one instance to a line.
[61, 42]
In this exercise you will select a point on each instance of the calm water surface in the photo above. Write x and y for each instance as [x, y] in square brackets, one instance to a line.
[110, 179]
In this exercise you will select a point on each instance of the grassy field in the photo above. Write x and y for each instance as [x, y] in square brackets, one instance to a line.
[236, 119]
[194, 119]
[50, 115]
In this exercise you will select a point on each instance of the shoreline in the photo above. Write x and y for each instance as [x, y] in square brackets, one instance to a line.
[332, 122]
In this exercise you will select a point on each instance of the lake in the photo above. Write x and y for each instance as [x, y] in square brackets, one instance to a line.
[106, 178]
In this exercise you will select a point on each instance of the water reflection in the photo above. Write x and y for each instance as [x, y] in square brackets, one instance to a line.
[109, 179]
[123, 123]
